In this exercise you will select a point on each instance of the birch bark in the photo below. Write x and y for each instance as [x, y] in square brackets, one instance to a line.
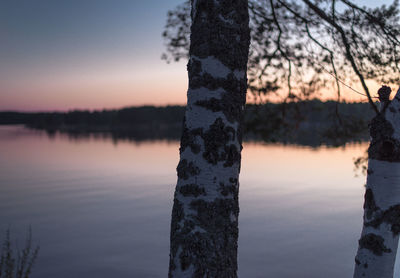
[204, 225]
[379, 238]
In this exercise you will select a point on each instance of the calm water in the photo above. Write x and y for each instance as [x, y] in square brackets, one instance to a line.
[100, 208]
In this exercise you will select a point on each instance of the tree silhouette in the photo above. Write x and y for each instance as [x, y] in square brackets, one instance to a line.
[297, 46]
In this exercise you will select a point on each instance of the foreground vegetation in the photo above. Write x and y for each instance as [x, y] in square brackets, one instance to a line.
[15, 263]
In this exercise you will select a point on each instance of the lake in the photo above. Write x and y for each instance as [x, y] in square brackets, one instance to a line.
[101, 208]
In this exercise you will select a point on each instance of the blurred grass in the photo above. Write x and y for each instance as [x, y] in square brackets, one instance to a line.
[16, 263]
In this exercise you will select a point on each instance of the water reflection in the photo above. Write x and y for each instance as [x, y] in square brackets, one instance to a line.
[102, 209]
[172, 132]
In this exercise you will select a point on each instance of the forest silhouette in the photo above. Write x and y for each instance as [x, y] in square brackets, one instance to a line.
[306, 123]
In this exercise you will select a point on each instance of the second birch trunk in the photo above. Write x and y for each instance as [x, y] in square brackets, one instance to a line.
[380, 235]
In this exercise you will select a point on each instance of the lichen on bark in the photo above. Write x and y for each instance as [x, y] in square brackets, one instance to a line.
[383, 145]
[192, 190]
[390, 216]
[375, 216]
[187, 169]
[230, 106]
[188, 139]
[229, 189]
[369, 203]
[374, 243]
[218, 146]
[211, 35]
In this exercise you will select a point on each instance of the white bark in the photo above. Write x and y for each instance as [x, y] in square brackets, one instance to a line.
[204, 225]
[379, 238]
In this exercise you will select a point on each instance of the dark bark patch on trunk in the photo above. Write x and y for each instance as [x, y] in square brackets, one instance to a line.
[357, 261]
[213, 215]
[380, 128]
[177, 210]
[185, 260]
[228, 189]
[177, 216]
[186, 170]
[383, 146]
[374, 243]
[194, 67]
[212, 253]
[216, 144]
[192, 190]
[207, 40]
[230, 83]
[390, 216]
[369, 203]
[384, 93]
[231, 105]
[372, 211]
[233, 155]
[215, 250]
[188, 226]
[188, 139]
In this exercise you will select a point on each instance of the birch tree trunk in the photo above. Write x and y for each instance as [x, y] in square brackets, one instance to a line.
[204, 225]
[379, 238]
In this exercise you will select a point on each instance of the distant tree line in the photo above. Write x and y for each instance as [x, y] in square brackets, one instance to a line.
[125, 116]
[306, 122]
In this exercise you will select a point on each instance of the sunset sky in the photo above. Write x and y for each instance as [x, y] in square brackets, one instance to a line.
[88, 54]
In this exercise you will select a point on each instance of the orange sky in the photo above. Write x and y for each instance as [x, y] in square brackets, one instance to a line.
[162, 84]
[63, 55]
[158, 84]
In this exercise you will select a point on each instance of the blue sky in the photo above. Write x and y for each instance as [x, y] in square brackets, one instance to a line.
[64, 54]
